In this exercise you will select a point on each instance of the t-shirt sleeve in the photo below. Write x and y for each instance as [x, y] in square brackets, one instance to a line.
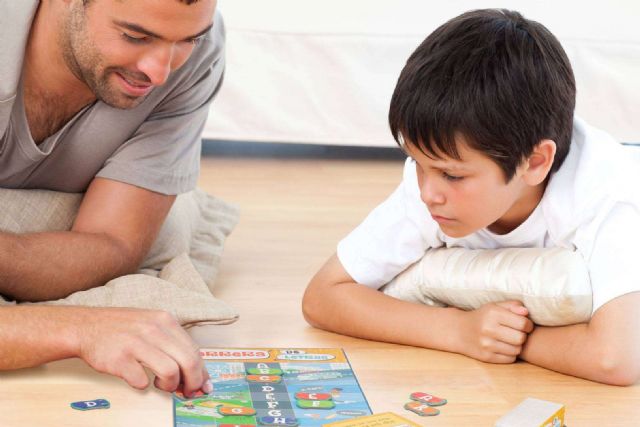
[163, 155]
[393, 236]
[613, 264]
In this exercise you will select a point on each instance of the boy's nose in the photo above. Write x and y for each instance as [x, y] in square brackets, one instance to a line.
[430, 194]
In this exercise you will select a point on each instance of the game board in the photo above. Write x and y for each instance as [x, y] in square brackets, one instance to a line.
[278, 387]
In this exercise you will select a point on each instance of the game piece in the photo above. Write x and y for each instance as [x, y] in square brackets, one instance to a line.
[427, 398]
[385, 419]
[264, 378]
[534, 413]
[278, 421]
[315, 404]
[236, 410]
[317, 374]
[87, 405]
[180, 394]
[264, 371]
[421, 409]
[313, 396]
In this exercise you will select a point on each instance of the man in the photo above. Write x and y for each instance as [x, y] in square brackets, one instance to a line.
[106, 97]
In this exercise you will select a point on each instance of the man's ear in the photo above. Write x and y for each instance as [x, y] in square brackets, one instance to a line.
[538, 164]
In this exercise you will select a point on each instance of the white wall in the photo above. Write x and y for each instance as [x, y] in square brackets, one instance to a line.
[323, 71]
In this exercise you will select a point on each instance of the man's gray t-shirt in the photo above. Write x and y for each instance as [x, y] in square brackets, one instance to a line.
[155, 145]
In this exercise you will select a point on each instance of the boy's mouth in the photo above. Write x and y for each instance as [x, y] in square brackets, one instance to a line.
[441, 219]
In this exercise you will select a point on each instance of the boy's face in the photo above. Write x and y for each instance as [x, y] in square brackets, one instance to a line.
[123, 49]
[469, 194]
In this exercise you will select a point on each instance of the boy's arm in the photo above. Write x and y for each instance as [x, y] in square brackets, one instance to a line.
[493, 333]
[607, 349]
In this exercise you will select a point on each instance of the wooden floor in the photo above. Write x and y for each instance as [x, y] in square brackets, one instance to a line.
[293, 213]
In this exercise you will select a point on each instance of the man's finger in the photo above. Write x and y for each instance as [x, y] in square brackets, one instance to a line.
[134, 374]
[165, 369]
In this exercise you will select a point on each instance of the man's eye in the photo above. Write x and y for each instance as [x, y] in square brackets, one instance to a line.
[451, 177]
[135, 40]
[195, 41]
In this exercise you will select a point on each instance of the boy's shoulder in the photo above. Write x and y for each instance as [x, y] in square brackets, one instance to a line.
[597, 174]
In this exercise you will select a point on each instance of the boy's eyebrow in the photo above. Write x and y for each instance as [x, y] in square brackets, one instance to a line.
[139, 29]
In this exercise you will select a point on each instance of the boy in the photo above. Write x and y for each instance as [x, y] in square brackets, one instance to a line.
[484, 110]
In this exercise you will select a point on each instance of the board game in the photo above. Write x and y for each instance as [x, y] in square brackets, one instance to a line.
[274, 387]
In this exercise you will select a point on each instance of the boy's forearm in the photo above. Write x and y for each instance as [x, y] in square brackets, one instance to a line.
[42, 266]
[355, 310]
[572, 350]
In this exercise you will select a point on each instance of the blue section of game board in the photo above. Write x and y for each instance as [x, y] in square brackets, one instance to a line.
[230, 387]
[345, 391]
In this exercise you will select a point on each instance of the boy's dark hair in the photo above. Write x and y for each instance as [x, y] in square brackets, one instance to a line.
[500, 80]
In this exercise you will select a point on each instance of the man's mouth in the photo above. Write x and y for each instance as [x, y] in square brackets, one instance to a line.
[134, 87]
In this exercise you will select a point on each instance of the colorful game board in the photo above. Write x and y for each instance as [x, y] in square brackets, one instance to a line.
[274, 387]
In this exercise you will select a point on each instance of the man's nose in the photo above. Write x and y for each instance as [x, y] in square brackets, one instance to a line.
[157, 64]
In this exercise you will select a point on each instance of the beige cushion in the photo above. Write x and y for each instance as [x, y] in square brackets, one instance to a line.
[552, 283]
[179, 271]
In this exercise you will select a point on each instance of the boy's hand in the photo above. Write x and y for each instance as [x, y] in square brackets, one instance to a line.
[123, 342]
[495, 332]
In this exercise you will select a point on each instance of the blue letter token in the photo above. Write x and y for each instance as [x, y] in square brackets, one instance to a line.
[86, 405]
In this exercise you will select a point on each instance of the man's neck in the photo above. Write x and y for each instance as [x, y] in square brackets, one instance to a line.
[45, 71]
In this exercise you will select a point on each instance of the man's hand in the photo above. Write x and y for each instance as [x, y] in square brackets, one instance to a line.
[117, 341]
[494, 332]
[122, 342]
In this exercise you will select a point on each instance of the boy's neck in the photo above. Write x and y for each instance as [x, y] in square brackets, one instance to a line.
[520, 210]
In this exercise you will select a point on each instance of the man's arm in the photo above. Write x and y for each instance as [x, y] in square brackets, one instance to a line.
[607, 349]
[493, 333]
[116, 341]
[114, 229]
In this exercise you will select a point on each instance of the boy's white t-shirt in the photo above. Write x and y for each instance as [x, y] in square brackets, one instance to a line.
[591, 205]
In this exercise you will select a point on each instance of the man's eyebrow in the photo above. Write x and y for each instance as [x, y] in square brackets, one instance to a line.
[138, 29]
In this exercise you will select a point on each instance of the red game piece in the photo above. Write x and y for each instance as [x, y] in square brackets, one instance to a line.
[427, 398]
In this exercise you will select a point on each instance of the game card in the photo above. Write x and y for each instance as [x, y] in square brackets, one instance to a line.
[385, 419]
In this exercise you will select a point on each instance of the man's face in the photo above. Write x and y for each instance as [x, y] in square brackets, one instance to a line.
[122, 49]
[466, 195]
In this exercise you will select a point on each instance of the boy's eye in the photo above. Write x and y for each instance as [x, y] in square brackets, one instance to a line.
[135, 40]
[451, 177]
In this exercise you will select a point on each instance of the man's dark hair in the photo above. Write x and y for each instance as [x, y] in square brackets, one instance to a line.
[500, 80]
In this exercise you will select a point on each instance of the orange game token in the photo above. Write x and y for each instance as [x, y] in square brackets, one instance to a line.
[236, 410]
[264, 378]
[421, 409]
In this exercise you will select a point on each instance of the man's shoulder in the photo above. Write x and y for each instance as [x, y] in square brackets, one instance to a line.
[14, 32]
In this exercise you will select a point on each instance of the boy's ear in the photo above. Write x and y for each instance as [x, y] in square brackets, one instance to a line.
[538, 164]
